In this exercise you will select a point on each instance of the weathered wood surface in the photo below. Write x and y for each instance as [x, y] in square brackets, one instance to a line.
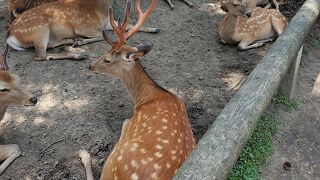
[220, 147]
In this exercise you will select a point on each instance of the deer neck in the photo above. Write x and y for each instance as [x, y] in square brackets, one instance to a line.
[3, 109]
[232, 22]
[140, 86]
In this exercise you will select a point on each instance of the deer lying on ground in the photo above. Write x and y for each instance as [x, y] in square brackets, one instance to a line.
[158, 137]
[11, 93]
[57, 23]
[185, 1]
[250, 29]
[16, 7]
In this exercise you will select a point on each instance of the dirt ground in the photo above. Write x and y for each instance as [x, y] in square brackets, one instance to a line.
[81, 110]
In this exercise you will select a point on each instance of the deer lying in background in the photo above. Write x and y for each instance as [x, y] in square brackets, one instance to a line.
[58, 23]
[158, 138]
[250, 29]
[11, 93]
[16, 7]
[185, 1]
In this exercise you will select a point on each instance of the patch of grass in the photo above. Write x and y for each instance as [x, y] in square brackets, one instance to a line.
[283, 100]
[256, 151]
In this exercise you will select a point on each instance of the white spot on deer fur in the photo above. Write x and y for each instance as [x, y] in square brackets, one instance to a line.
[144, 162]
[126, 167]
[164, 120]
[143, 151]
[168, 165]
[173, 157]
[134, 176]
[134, 164]
[144, 124]
[120, 158]
[154, 175]
[156, 166]
[165, 141]
[173, 152]
[149, 159]
[158, 132]
[159, 147]
[164, 127]
[158, 154]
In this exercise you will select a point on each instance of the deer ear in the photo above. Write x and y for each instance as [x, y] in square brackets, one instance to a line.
[142, 50]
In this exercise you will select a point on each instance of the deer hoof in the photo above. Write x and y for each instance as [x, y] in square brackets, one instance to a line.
[79, 57]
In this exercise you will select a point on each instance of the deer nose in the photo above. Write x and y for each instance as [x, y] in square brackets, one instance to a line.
[249, 14]
[34, 100]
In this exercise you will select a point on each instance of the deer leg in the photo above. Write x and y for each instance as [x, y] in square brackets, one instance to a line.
[8, 153]
[59, 43]
[246, 43]
[170, 4]
[86, 161]
[265, 40]
[188, 3]
[267, 6]
[81, 41]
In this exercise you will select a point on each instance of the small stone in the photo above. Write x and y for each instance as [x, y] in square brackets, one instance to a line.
[287, 166]
[56, 163]
[121, 104]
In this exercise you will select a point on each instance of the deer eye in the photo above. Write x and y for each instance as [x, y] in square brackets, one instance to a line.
[4, 90]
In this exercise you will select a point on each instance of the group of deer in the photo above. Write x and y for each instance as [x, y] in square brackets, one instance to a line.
[158, 138]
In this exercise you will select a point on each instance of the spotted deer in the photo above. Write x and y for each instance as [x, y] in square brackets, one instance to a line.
[158, 137]
[185, 1]
[58, 23]
[250, 28]
[16, 7]
[11, 93]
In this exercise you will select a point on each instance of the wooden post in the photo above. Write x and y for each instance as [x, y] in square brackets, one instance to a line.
[219, 149]
[289, 82]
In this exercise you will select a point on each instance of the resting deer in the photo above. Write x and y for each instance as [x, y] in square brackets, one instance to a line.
[11, 93]
[16, 7]
[57, 23]
[158, 137]
[185, 1]
[250, 29]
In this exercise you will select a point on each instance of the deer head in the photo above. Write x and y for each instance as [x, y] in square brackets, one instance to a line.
[11, 92]
[121, 58]
[236, 7]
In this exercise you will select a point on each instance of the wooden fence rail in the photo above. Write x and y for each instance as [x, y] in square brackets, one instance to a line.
[219, 149]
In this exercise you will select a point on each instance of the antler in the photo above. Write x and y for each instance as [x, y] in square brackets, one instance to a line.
[120, 29]
[3, 60]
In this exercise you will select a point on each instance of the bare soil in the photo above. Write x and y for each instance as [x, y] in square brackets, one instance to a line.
[81, 110]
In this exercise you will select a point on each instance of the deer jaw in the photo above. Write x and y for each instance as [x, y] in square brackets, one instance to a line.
[11, 92]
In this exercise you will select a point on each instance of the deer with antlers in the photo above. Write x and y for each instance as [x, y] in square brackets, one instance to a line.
[158, 137]
[16, 7]
[11, 93]
[250, 28]
[58, 23]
